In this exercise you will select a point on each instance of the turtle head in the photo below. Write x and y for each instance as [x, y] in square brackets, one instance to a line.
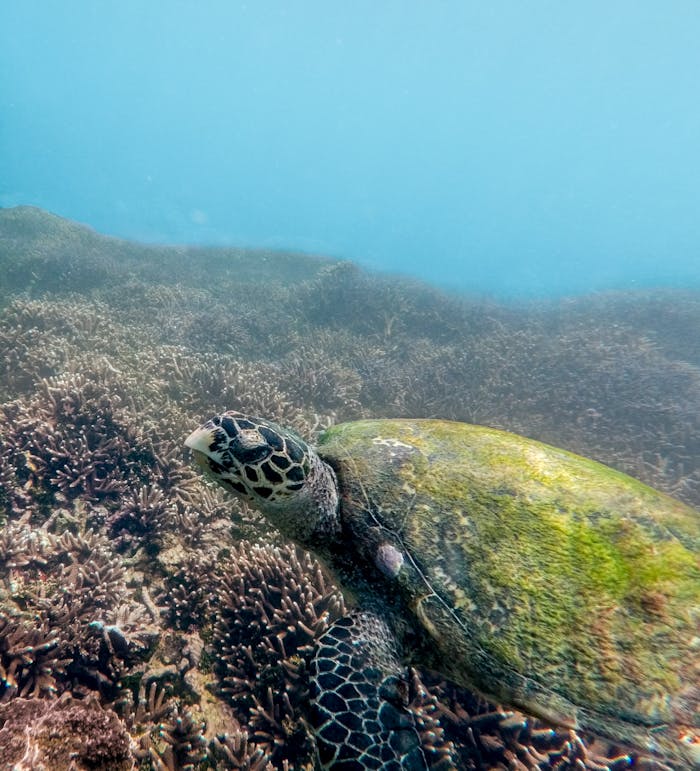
[274, 470]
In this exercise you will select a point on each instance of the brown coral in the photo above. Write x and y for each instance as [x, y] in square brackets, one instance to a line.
[30, 661]
[236, 751]
[63, 735]
[102, 377]
[483, 736]
[272, 604]
[68, 616]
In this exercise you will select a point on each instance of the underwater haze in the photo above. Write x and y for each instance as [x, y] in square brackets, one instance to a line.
[517, 149]
[203, 208]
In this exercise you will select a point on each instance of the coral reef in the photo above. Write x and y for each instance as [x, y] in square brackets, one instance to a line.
[236, 752]
[63, 735]
[476, 734]
[159, 622]
[272, 603]
[67, 618]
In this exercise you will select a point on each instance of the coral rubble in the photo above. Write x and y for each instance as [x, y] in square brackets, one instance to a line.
[63, 735]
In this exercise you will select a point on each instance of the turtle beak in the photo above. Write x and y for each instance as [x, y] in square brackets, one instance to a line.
[199, 442]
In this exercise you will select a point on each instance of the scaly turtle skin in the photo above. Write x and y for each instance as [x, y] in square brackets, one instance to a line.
[545, 580]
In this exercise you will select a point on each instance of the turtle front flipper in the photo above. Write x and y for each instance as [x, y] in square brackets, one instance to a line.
[359, 695]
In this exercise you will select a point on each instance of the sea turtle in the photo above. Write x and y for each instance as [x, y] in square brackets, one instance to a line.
[540, 578]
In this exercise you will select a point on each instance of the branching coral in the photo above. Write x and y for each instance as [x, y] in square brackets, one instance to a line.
[139, 517]
[165, 734]
[72, 617]
[484, 737]
[255, 387]
[142, 716]
[30, 660]
[580, 375]
[235, 751]
[185, 744]
[99, 510]
[272, 604]
[440, 753]
[74, 443]
[191, 593]
[314, 376]
[73, 439]
[27, 354]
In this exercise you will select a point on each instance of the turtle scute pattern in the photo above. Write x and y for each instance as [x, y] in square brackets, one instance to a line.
[544, 579]
[359, 697]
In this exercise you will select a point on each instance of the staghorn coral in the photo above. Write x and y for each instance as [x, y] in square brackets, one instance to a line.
[247, 332]
[30, 662]
[73, 439]
[139, 517]
[482, 736]
[142, 712]
[173, 477]
[235, 751]
[166, 735]
[75, 443]
[28, 354]
[381, 307]
[439, 751]
[579, 375]
[72, 620]
[191, 593]
[314, 376]
[257, 388]
[185, 746]
[272, 603]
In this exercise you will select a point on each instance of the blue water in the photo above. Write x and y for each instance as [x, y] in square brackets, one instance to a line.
[512, 148]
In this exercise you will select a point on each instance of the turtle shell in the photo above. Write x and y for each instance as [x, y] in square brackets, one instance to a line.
[541, 578]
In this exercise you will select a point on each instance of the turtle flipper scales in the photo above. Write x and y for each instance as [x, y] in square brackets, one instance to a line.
[359, 694]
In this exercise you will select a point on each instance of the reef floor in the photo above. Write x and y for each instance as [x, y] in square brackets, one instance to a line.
[147, 620]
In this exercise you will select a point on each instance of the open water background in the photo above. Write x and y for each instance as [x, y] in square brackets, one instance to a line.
[513, 149]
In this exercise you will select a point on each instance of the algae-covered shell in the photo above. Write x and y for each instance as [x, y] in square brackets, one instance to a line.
[544, 579]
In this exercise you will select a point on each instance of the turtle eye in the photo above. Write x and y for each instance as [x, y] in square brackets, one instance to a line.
[249, 447]
[249, 455]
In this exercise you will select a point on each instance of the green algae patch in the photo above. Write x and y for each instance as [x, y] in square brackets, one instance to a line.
[560, 576]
